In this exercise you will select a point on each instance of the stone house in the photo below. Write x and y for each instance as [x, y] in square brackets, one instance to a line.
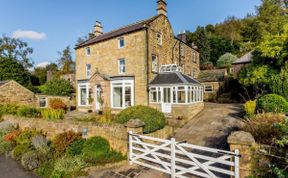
[119, 69]
[212, 80]
[241, 63]
[12, 92]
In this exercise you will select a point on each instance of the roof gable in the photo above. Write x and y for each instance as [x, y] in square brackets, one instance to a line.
[121, 31]
[247, 58]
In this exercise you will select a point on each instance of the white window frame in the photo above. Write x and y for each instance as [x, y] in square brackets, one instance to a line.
[88, 49]
[159, 37]
[46, 101]
[88, 71]
[208, 86]
[123, 84]
[86, 86]
[119, 42]
[152, 64]
[120, 66]
[182, 49]
[194, 92]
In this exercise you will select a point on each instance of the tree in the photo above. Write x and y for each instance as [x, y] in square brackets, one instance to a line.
[14, 49]
[12, 70]
[66, 62]
[279, 83]
[200, 39]
[226, 60]
[59, 87]
[41, 72]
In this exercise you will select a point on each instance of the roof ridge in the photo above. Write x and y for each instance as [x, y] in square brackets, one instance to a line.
[120, 28]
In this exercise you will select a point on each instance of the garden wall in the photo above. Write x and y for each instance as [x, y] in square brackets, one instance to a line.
[116, 133]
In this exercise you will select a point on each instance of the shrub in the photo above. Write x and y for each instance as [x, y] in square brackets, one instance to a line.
[263, 127]
[95, 149]
[76, 148]
[226, 60]
[154, 119]
[45, 169]
[19, 150]
[25, 136]
[52, 114]
[57, 103]
[5, 146]
[10, 137]
[68, 166]
[25, 111]
[63, 140]
[58, 87]
[8, 109]
[250, 108]
[32, 159]
[272, 103]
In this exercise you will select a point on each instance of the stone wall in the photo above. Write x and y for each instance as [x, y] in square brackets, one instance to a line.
[116, 134]
[238, 67]
[14, 93]
[212, 96]
[181, 113]
[66, 99]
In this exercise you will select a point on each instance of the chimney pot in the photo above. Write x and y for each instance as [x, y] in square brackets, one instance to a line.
[162, 7]
[98, 29]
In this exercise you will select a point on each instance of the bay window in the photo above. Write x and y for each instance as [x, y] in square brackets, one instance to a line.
[122, 94]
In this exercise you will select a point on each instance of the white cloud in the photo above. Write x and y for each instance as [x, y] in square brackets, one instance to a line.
[29, 34]
[43, 64]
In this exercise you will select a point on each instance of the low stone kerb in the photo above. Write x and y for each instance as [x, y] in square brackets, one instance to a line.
[134, 123]
[241, 138]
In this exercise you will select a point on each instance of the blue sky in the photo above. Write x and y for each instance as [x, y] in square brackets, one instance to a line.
[54, 24]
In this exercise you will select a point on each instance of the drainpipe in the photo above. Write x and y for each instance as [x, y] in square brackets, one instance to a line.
[173, 50]
[147, 62]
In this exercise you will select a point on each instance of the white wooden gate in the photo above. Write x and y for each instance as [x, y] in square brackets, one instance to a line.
[180, 159]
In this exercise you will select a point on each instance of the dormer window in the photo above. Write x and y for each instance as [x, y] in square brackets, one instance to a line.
[159, 38]
[88, 51]
[121, 42]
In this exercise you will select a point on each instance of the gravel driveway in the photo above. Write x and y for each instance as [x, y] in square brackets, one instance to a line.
[10, 168]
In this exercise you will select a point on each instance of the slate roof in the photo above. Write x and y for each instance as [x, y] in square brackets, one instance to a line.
[3, 82]
[247, 58]
[216, 75]
[172, 78]
[115, 33]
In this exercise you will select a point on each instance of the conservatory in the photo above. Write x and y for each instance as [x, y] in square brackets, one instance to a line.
[175, 93]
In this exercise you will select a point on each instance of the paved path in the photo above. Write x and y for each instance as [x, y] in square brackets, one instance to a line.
[209, 128]
[13, 169]
[212, 126]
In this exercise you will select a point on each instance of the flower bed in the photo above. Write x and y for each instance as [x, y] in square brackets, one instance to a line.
[32, 112]
[66, 155]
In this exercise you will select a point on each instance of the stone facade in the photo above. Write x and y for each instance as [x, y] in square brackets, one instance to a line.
[139, 48]
[67, 100]
[14, 93]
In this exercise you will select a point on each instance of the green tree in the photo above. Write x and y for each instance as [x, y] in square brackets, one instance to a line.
[226, 60]
[57, 87]
[65, 61]
[279, 82]
[41, 72]
[14, 49]
[200, 39]
[12, 70]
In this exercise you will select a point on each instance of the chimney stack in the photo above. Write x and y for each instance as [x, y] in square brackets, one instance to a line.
[183, 36]
[162, 7]
[98, 29]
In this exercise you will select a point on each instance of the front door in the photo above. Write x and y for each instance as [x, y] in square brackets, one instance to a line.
[98, 98]
[166, 100]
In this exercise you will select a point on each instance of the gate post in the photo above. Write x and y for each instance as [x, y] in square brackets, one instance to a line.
[130, 151]
[173, 157]
[243, 141]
